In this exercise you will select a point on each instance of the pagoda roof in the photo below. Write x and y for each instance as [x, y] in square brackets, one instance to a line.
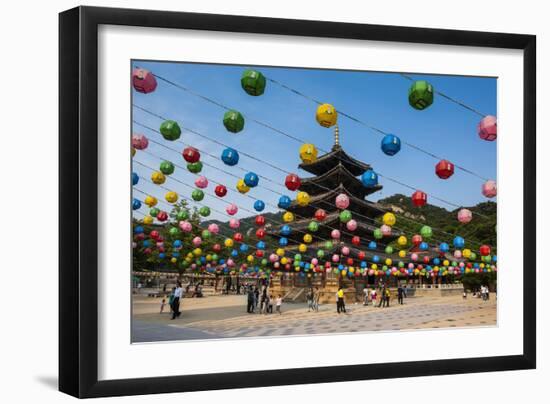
[326, 201]
[328, 161]
[331, 179]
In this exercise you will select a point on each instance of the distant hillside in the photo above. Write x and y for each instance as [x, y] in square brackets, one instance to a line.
[482, 228]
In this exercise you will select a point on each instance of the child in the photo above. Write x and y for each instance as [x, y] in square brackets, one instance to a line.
[373, 297]
[270, 304]
[162, 305]
[278, 303]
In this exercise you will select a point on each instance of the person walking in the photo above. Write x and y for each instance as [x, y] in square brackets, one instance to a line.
[400, 294]
[256, 298]
[316, 299]
[263, 301]
[341, 305]
[278, 304]
[309, 298]
[250, 300]
[388, 297]
[373, 297]
[176, 302]
[382, 297]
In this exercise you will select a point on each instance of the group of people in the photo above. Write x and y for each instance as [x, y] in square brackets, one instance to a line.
[177, 293]
[383, 296]
[262, 301]
[312, 298]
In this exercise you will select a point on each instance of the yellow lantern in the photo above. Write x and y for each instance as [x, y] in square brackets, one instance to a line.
[388, 261]
[171, 196]
[466, 253]
[250, 258]
[303, 198]
[158, 178]
[208, 257]
[173, 260]
[389, 219]
[446, 263]
[308, 238]
[402, 254]
[302, 248]
[190, 255]
[308, 153]
[374, 266]
[402, 240]
[228, 242]
[326, 115]
[242, 187]
[482, 265]
[150, 201]
[284, 260]
[344, 272]
[288, 217]
[351, 270]
[197, 252]
[148, 220]
[280, 252]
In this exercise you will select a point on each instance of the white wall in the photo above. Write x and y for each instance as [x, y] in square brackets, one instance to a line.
[28, 197]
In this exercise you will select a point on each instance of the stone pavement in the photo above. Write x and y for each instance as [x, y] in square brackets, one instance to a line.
[226, 317]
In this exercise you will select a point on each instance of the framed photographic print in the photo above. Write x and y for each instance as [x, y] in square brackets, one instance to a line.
[251, 201]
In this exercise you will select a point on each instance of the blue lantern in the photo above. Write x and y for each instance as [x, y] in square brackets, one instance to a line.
[259, 205]
[390, 145]
[363, 264]
[146, 243]
[251, 179]
[444, 247]
[369, 179]
[437, 261]
[177, 244]
[175, 254]
[376, 259]
[260, 245]
[244, 248]
[372, 245]
[458, 242]
[135, 178]
[136, 204]
[284, 202]
[162, 255]
[286, 230]
[138, 229]
[230, 156]
[234, 253]
[283, 241]
[423, 246]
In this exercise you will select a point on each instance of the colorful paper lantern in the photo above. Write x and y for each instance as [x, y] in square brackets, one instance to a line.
[253, 82]
[308, 153]
[171, 196]
[421, 95]
[389, 219]
[292, 182]
[204, 211]
[197, 195]
[326, 115]
[233, 121]
[139, 142]
[487, 128]
[259, 205]
[342, 201]
[390, 145]
[158, 178]
[201, 182]
[220, 190]
[369, 179]
[419, 198]
[351, 224]
[444, 169]
[464, 216]
[345, 216]
[320, 215]
[426, 232]
[231, 209]
[242, 187]
[143, 81]
[489, 189]
[251, 179]
[230, 156]
[195, 168]
[170, 130]
[167, 167]
[284, 202]
[303, 198]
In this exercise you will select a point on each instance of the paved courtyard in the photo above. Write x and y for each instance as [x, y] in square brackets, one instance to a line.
[226, 317]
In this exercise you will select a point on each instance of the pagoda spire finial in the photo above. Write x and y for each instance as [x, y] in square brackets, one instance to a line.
[336, 136]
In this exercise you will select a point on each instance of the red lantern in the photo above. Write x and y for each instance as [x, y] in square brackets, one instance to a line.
[139, 237]
[419, 198]
[292, 182]
[259, 253]
[320, 215]
[361, 255]
[426, 259]
[238, 237]
[416, 239]
[356, 240]
[444, 169]
[217, 247]
[350, 261]
[484, 250]
[260, 220]
[154, 234]
[260, 233]
[191, 155]
[162, 216]
[220, 190]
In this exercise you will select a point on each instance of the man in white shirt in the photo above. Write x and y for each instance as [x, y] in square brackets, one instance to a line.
[176, 302]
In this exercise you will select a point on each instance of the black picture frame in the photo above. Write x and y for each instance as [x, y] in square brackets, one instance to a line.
[78, 196]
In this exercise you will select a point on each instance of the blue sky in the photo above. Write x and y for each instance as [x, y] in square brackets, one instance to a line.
[378, 99]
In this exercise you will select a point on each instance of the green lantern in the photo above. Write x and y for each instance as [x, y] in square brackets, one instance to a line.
[345, 216]
[253, 82]
[205, 234]
[389, 249]
[421, 95]
[195, 168]
[182, 215]
[313, 226]
[233, 121]
[204, 211]
[377, 233]
[170, 130]
[426, 232]
[166, 167]
[473, 256]
[298, 257]
[328, 245]
[154, 212]
[320, 253]
[197, 195]
[173, 231]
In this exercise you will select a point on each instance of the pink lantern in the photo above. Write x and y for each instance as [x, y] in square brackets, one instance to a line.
[371, 272]
[197, 241]
[186, 226]
[386, 230]
[276, 265]
[335, 258]
[464, 216]
[342, 201]
[487, 128]
[143, 81]
[335, 234]
[461, 265]
[139, 142]
[231, 209]
[414, 257]
[314, 261]
[410, 266]
[345, 250]
[234, 223]
[230, 263]
[273, 258]
[201, 182]
[351, 225]
[213, 228]
[160, 244]
[457, 254]
[489, 189]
